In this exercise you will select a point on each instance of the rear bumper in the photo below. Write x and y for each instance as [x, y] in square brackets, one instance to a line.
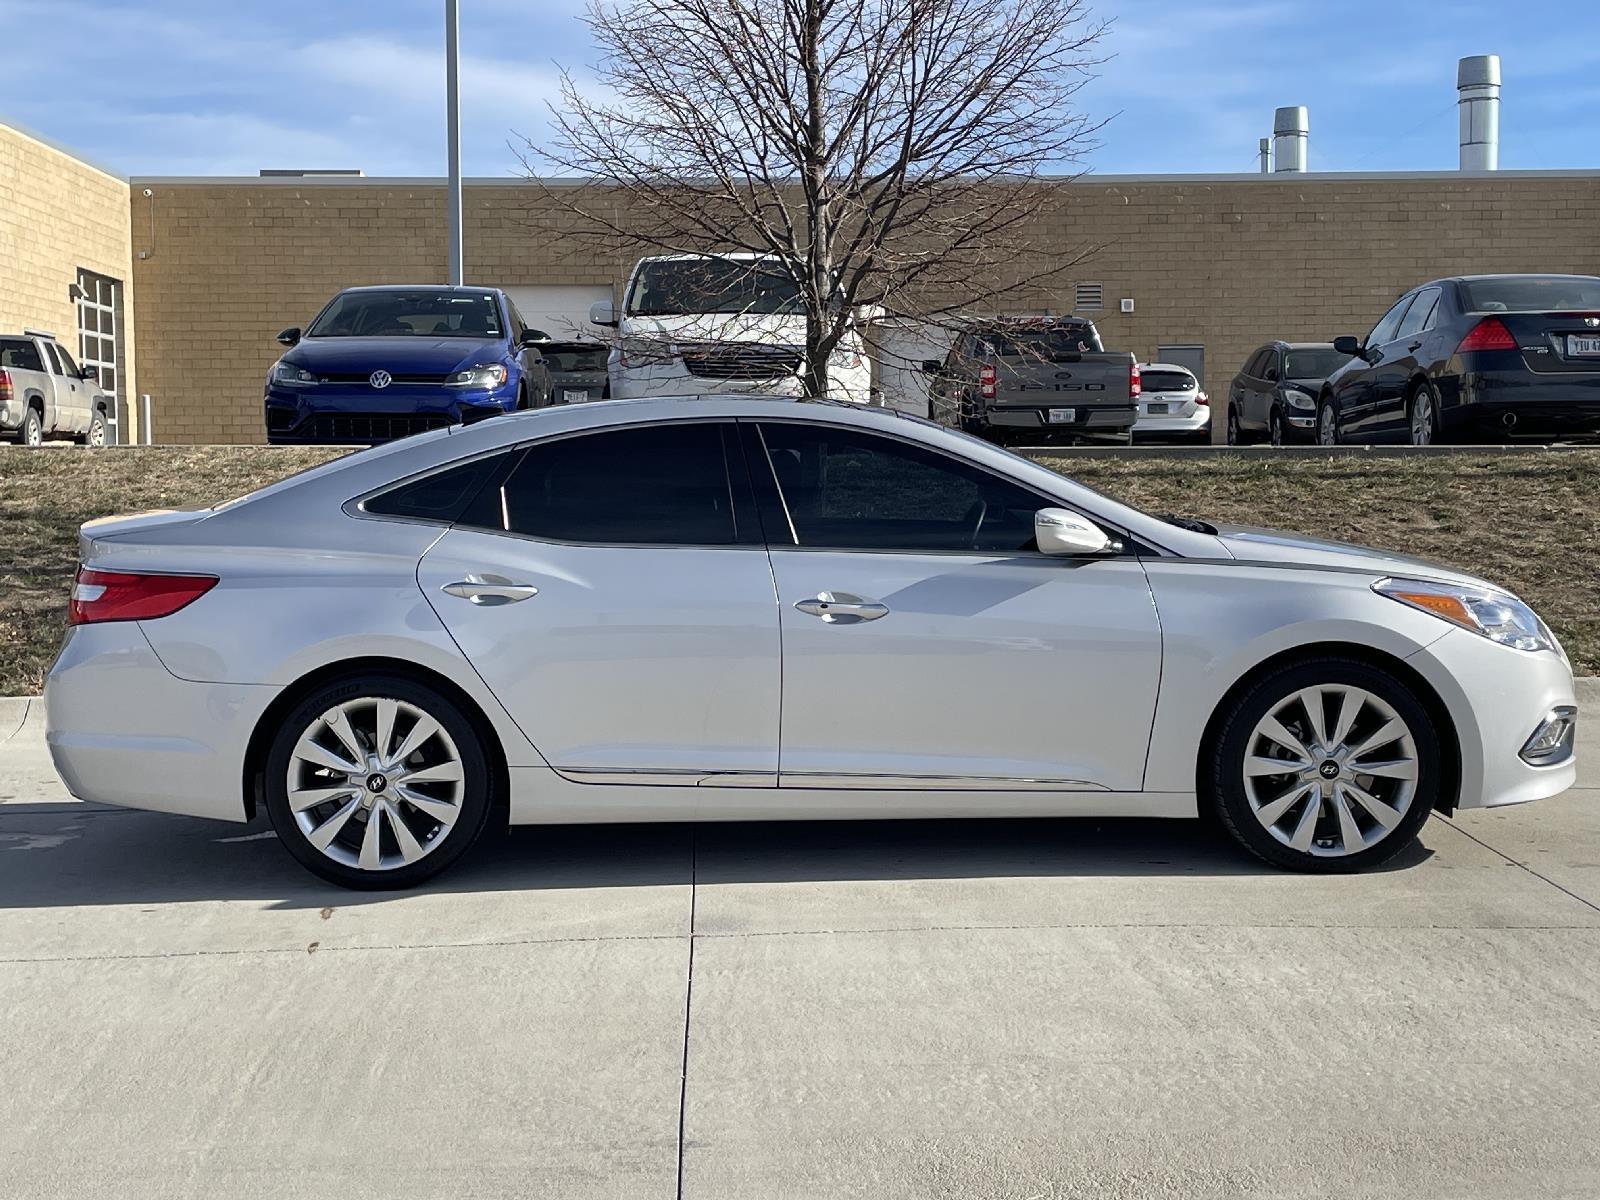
[1099, 418]
[1526, 402]
[123, 730]
[1170, 425]
[1497, 697]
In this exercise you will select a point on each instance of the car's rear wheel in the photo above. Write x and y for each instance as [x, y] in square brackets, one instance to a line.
[1327, 765]
[32, 431]
[1235, 434]
[1424, 415]
[1327, 424]
[377, 782]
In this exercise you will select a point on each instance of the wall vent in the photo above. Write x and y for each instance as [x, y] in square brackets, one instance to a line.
[1088, 297]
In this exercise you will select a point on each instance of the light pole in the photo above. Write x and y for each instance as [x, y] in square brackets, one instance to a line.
[452, 85]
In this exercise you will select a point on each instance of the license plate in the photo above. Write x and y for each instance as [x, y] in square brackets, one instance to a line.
[1062, 416]
[1583, 347]
[568, 396]
[1157, 409]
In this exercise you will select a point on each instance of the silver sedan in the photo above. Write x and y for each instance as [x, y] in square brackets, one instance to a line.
[757, 609]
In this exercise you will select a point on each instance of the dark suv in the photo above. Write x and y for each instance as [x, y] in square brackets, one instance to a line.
[385, 362]
[1274, 395]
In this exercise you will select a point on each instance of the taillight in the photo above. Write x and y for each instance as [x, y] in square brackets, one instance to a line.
[7, 394]
[1202, 398]
[1488, 334]
[1134, 386]
[129, 596]
[986, 381]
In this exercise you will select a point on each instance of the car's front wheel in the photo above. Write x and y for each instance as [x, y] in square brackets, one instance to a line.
[96, 433]
[1275, 428]
[1327, 424]
[1331, 764]
[377, 782]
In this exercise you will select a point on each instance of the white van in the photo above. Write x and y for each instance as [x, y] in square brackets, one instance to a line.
[697, 323]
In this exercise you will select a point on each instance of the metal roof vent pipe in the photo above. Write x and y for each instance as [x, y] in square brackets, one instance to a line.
[1478, 92]
[1291, 131]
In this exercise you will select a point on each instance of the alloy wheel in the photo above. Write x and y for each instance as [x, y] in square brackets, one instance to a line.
[1233, 427]
[1276, 425]
[1331, 771]
[1327, 426]
[1422, 418]
[375, 783]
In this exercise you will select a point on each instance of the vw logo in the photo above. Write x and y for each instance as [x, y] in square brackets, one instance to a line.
[380, 379]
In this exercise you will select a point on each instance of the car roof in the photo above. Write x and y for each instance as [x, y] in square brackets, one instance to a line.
[1508, 275]
[420, 287]
[1160, 366]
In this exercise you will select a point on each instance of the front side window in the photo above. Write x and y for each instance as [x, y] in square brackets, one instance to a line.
[1269, 367]
[1384, 331]
[1257, 364]
[67, 365]
[659, 485]
[1316, 363]
[409, 312]
[848, 490]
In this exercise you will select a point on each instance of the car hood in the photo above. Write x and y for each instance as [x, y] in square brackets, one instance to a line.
[397, 355]
[1276, 546]
[783, 329]
[1308, 383]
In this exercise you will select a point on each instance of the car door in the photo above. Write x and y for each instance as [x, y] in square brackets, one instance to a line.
[56, 400]
[1361, 391]
[79, 395]
[1399, 366]
[925, 643]
[1266, 393]
[614, 592]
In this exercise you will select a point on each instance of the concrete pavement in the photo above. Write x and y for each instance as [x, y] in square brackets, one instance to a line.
[978, 1009]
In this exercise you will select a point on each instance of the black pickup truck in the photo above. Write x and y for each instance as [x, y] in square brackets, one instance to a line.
[1029, 378]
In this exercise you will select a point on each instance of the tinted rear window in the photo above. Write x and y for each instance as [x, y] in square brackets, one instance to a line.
[574, 356]
[20, 354]
[1040, 345]
[1165, 381]
[1534, 293]
[442, 496]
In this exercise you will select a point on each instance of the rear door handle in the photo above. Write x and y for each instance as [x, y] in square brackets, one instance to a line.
[842, 608]
[490, 590]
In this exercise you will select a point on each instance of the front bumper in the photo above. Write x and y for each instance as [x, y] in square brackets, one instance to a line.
[1497, 697]
[124, 730]
[333, 415]
[637, 383]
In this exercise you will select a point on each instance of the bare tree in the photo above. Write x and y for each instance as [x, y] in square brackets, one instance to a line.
[881, 153]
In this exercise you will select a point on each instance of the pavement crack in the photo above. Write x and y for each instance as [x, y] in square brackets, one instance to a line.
[688, 1002]
[1525, 867]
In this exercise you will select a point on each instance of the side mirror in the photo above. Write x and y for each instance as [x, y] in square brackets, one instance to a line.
[1348, 345]
[1061, 531]
[89, 374]
[603, 312]
[933, 366]
[532, 336]
[290, 336]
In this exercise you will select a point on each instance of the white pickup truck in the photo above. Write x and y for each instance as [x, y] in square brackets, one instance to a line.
[43, 393]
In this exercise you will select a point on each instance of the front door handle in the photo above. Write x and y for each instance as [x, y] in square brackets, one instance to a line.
[490, 590]
[842, 608]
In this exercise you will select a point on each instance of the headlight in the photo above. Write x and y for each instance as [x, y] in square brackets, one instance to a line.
[1299, 399]
[484, 375]
[646, 352]
[1498, 616]
[283, 372]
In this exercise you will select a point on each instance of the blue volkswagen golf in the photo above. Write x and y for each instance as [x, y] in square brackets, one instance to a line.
[385, 362]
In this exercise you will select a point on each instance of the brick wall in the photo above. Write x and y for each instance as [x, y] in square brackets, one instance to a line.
[1224, 263]
[58, 214]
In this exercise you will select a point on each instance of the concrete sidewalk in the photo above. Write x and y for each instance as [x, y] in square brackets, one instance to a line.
[919, 1009]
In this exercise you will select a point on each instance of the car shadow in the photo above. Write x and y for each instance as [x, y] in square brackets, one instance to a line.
[54, 856]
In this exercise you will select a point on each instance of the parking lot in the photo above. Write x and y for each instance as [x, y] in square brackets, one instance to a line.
[1015, 1009]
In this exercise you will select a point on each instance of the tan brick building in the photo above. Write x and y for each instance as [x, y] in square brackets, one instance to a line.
[65, 257]
[1222, 263]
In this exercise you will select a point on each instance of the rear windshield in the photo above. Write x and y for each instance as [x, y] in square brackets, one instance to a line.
[20, 354]
[1534, 293]
[574, 356]
[409, 312]
[1055, 342]
[1313, 364]
[1165, 381]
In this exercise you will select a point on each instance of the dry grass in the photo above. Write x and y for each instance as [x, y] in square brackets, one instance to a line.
[1530, 522]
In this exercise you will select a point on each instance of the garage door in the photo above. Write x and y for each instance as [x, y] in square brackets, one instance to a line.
[562, 312]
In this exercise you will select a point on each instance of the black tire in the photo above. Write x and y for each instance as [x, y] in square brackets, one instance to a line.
[1275, 430]
[96, 434]
[31, 432]
[1423, 398]
[1224, 773]
[478, 783]
[1328, 433]
[1235, 435]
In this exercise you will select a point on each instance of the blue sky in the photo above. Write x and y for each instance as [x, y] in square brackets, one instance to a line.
[199, 87]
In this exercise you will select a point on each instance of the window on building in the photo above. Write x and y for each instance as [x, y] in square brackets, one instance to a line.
[100, 329]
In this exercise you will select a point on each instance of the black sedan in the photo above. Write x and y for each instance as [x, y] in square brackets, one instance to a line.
[1470, 358]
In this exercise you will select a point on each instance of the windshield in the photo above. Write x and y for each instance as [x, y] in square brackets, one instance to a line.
[1313, 364]
[1534, 293]
[429, 312]
[678, 287]
[574, 356]
[1047, 344]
